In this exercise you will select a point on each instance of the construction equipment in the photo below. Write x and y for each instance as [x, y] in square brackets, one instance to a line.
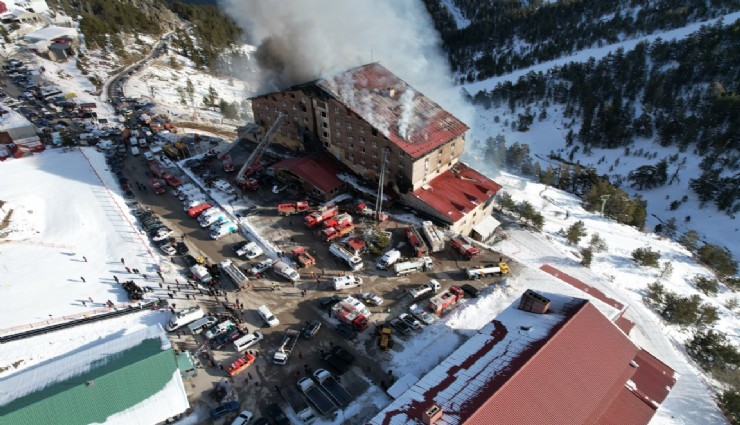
[434, 237]
[320, 215]
[293, 208]
[302, 257]
[385, 342]
[420, 247]
[446, 300]
[157, 185]
[253, 162]
[352, 312]
[487, 270]
[464, 248]
[364, 210]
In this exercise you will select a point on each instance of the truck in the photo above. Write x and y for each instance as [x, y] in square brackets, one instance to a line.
[296, 402]
[339, 220]
[157, 186]
[286, 347]
[385, 342]
[183, 317]
[420, 247]
[464, 248]
[321, 401]
[284, 270]
[207, 220]
[426, 289]
[445, 300]
[302, 257]
[331, 386]
[200, 273]
[487, 270]
[322, 214]
[223, 229]
[434, 237]
[353, 261]
[352, 312]
[292, 208]
[388, 259]
[332, 233]
[364, 210]
[240, 364]
[234, 273]
[413, 266]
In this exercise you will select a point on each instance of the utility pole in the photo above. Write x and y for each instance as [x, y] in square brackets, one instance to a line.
[381, 183]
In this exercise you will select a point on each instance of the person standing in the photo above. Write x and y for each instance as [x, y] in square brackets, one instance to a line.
[84, 258]
[82, 279]
[123, 261]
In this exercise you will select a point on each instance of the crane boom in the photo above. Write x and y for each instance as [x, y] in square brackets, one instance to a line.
[260, 149]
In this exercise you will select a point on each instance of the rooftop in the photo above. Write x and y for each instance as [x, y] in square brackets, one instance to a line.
[406, 117]
[539, 368]
[457, 191]
[318, 171]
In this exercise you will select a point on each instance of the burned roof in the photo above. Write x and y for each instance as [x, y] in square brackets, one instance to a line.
[318, 171]
[406, 117]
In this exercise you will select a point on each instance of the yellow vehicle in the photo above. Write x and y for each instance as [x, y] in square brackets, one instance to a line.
[385, 342]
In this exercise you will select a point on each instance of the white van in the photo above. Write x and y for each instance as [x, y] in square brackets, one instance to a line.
[267, 316]
[200, 324]
[344, 282]
[183, 317]
[247, 341]
[148, 156]
[134, 150]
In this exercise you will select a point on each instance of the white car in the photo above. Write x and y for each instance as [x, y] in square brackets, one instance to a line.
[243, 418]
[168, 249]
[410, 320]
[262, 266]
[250, 250]
[371, 299]
[421, 314]
[162, 235]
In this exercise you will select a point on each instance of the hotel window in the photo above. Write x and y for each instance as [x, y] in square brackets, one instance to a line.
[349, 125]
[323, 114]
[292, 95]
[362, 129]
[325, 124]
[321, 104]
[374, 144]
[326, 134]
[336, 110]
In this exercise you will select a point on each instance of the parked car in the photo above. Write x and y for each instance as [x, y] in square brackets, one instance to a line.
[347, 331]
[162, 234]
[310, 330]
[168, 249]
[371, 299]
[328, 302]
[343, 354]
[410, 320]
[421, 314]
[225, 338]
[277, 414]
[181, 248]
[244, 417]
[340, 366]
[401, 326]
[262, 266]
[225, 409]
[471, 290]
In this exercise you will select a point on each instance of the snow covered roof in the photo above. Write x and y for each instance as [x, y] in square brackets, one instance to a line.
[406, 117]
[10, 119]
[567, 366]
[457, 191]
[129, 379]
[50, 33]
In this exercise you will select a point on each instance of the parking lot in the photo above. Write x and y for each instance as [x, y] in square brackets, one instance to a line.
[293, 304]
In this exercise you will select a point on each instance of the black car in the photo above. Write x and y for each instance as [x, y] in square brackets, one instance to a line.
[223, 339]
[328, 302]
[181, 248]
[347, 331]
[190, 260]
[343, 354]
[277, 414]
[311, 329]
[401, 326]
[471, 290]
[339, 365]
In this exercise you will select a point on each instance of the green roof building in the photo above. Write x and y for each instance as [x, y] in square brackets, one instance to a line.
[132, 379]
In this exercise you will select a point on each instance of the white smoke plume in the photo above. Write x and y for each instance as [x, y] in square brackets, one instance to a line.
[302, 40]
[407, 113]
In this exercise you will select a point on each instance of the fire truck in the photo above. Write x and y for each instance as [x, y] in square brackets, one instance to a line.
[464, 248]
[337, 231]
[157, 168]
[292, 208]
[352, 312]
[302, 257]
[157, 185]
[228, 164]
[420, 247]
[445, 300]
[319, 216]
[240, 364]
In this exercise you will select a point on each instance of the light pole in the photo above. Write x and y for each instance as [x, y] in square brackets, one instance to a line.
[604, 198]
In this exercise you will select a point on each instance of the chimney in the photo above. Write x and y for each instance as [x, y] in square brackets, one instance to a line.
[534, 302]
[432, 414]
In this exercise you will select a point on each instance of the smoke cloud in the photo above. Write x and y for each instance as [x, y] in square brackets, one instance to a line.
[302, 40]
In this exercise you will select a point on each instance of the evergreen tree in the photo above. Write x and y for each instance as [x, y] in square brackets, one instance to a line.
[689, 240]
[575, 232]
[646, 257]
[597, 243]
[718, 259]
[706, 285]
[586, 257]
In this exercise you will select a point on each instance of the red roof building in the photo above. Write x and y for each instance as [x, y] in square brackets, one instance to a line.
[317, 175]
[570, 365]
